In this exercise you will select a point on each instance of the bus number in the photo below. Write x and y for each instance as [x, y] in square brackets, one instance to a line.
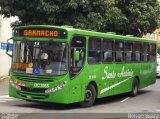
[92, 77]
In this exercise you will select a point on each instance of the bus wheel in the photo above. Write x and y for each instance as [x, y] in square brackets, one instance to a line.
[135, 87]
[90, 96]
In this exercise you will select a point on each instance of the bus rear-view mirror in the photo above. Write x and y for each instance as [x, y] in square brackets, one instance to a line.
[8, 47]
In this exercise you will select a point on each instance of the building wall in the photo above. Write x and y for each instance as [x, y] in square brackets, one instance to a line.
[5, 33]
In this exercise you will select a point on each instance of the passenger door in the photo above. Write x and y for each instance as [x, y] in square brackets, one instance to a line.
[77, 62]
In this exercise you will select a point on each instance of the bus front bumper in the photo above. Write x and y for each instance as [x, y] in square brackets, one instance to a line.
[56, 97]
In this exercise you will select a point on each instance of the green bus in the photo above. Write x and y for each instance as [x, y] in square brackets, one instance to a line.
[61, 64]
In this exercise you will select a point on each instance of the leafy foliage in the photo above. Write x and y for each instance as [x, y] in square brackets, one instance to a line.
[121, 16]
[142, 15]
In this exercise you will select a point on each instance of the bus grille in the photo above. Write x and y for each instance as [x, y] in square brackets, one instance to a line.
[32, 95]
[33, 90]
[33, 78]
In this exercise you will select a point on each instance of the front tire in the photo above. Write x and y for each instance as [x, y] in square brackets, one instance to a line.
[135, 88]
[90, 96]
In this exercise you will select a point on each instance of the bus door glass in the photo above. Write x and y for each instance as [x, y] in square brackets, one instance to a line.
[77, 56]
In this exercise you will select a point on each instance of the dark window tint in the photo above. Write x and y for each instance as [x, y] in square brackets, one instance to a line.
[145, 52]
[78, 41]
[107, 50]
[119, 48]
[128, 52]
[152, 52]
[77, 45]
[137, 52]
[94, 54]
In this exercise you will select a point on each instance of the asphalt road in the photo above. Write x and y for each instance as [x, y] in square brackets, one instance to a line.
[148, 101]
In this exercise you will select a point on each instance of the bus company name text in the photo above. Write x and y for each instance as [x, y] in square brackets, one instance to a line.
[124, 73]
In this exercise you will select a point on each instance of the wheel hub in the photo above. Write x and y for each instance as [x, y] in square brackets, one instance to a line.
[88, 95]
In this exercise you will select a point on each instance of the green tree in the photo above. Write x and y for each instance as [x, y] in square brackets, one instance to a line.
[121, 16]
[142, 15]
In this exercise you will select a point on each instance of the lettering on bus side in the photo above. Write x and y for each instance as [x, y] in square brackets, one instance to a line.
[124, 73]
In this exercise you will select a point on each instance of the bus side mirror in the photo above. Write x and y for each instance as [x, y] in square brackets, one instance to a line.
[77, 56]
[8, 47]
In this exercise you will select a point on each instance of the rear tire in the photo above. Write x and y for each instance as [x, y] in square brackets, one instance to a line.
[90, 96]
[135, 88]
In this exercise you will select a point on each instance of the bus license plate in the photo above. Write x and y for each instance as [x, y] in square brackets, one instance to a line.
[41, 85]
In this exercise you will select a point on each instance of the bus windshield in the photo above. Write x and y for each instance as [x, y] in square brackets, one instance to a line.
[40, 57]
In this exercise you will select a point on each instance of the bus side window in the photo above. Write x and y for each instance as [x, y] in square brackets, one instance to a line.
[94, 50]
[107, 50]
[145, 52]
[119, 51]
[137, 52]
[78, 43]
[128, 51]
[152, 52]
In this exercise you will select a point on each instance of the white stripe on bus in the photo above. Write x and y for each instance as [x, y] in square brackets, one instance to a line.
[112, 86]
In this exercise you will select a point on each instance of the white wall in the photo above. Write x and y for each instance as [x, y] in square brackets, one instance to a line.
[5, 33]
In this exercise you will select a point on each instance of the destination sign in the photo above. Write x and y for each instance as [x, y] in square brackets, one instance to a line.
[41, 32]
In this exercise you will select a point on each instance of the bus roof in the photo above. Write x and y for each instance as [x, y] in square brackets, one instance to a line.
[91, 33]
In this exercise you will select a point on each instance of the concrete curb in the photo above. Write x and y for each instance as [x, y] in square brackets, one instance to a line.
[4, 77]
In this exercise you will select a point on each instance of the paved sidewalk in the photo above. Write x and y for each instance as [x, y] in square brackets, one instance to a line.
[4, 86]
[5, 77]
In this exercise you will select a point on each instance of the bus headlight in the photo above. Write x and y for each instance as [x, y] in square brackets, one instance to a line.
[57, 88]
[14, 85]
